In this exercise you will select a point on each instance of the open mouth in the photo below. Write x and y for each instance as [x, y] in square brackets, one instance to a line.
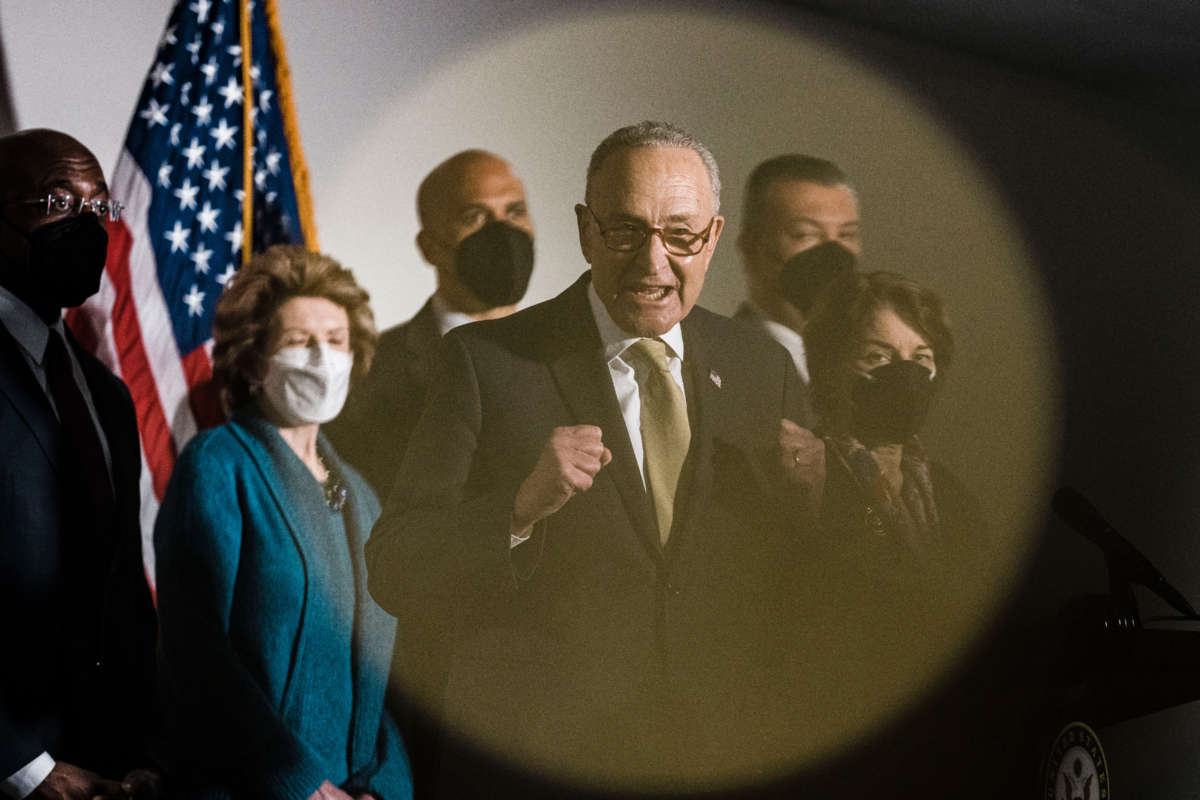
[650, 294]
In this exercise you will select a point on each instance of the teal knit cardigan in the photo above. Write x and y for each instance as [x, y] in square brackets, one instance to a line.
[249, 626]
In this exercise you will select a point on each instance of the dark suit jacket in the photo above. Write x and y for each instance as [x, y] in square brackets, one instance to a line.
[591, 648]
[373, 429]
[75, 609]
[748, 314]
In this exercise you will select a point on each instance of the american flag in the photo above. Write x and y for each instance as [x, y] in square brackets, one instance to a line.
[198, 138]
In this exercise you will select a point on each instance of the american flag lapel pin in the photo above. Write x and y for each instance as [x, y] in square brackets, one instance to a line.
[715, 378]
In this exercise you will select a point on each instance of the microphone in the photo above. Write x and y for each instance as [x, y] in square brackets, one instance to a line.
[1075, 510]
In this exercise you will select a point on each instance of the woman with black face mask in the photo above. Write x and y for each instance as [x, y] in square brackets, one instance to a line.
[895, 573]
[879, 346]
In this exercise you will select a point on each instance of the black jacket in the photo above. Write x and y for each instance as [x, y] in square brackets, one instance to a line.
[591, 648]
[75, 608]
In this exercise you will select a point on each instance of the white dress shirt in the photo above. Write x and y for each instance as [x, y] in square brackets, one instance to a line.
[32, 334]
[624, 378]
[21, 783]
[624, 375]
[445, 317]
[791, 341]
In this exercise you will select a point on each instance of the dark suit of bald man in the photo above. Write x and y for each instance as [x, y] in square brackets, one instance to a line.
[373, 430]
[75, 609]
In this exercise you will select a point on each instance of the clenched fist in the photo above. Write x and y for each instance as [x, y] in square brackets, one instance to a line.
[568, 463]
[69, 782]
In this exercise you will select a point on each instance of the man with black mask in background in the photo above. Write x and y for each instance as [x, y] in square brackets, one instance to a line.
[477, 233]
[75, 610]
[799, 232]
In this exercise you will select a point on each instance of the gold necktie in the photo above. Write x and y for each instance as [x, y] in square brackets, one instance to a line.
[665, 430]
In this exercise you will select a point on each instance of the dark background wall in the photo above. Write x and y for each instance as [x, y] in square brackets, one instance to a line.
[1088, 118]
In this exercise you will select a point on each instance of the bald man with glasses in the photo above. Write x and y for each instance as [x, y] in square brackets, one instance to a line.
[75, 609]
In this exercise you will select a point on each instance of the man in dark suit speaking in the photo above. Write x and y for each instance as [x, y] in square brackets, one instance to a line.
[75, 610]
[594, 504]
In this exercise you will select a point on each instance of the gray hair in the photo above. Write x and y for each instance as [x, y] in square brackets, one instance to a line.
[655, 134]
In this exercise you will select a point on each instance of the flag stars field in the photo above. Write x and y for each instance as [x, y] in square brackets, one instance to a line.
[194, 154]
[203, 111]
[209, 70]
[232, 92]
[224, 134]
[234, 237]
[155, 114]
[201, 7]
[161, 74]
[194, 300]
[186, 194]
[215, 175]
[178, 236]
[207, 217]
[200, 258]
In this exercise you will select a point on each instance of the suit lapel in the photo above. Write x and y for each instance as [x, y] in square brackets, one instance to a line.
[423, 343]
[124, 460]
[577, 363]
[701, 389]
[98, 378]
[19, 385]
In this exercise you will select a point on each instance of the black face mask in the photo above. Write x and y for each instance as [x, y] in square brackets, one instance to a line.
[889, 406]
[64, 260]
[495, 263]
[806, 274]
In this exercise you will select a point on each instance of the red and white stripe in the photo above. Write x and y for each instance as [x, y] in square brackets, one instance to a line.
[131, 332]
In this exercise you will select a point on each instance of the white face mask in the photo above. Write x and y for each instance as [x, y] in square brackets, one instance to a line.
[306, 385]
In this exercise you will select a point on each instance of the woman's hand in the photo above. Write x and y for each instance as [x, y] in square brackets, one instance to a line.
[327, 791]
[802, 457]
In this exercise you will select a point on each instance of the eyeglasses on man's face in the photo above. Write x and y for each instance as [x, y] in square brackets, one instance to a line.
[59, 204]
[627, 237]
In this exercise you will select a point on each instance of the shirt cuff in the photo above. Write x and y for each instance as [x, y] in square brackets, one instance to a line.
[21, 783]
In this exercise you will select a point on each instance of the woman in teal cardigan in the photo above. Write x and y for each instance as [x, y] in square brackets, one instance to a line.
[273, 657]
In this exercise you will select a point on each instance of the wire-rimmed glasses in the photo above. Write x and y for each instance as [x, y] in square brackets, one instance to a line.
[627, 237]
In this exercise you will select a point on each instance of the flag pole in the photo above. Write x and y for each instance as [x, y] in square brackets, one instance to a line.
[291, 130]
[247, 136]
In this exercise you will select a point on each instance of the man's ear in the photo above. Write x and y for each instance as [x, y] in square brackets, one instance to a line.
[428, 246]
[582, 217]
[718, 225]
